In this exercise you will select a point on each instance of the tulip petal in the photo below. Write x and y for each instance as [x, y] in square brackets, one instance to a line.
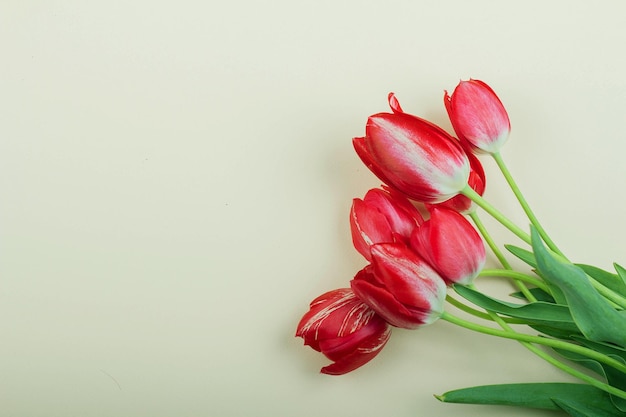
[401, 214]
[394, 103]
[477, 181]
[367, 351]
[363, 152]
[368, 226]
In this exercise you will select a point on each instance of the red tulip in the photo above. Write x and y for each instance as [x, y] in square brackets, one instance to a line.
[344, 329]
[478, 116]
[451, 245]
[382, 217]
[400, 286]
[413, 155]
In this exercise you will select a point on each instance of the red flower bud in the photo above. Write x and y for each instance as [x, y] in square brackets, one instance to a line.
[344, 329]
[400, 286]
[382, 217]
[413, 155]
[451, 245]
[478, 116]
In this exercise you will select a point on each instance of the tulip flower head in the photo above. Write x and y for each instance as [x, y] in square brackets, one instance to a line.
[451, 245]
[344, 329]
[413, 155]
[400, 286]
[383, 216]
[478, 116]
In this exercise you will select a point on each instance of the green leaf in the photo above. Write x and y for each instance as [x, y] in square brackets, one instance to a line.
[593, 314]
[524, 255]
[577, 409]
[535, 395]
[538, 293]
[547, 314]
[603, 348]
[609, 280]
[613, 377]
[621, 272]
[556, 332]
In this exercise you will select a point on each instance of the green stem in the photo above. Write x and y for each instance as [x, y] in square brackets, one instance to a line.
[490, 242]
[592, 354]
[495, 213]
[496, 250]
[609, 294]
[479, 314]
[520, 197]
[557, 363]
[520, 276]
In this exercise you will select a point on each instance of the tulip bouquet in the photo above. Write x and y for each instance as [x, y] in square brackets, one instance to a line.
[425, 247]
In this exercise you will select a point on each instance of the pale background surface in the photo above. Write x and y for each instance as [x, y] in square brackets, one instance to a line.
[176, 179]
